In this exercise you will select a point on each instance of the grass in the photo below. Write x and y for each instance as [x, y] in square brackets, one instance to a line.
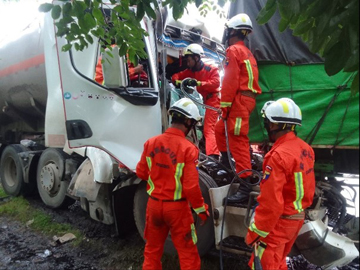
[19, 209]
[129, 254]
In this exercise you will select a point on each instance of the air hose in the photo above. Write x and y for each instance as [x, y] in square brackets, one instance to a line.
[236, 175]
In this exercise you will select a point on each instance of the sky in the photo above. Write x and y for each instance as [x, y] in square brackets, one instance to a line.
[15, 16]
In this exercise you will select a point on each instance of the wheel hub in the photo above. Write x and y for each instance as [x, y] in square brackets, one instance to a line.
[49, 177]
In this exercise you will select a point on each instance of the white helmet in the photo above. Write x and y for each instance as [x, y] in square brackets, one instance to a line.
[241, 21]
[283, 110]
[265, 106]
[194, 49]
[186, 107]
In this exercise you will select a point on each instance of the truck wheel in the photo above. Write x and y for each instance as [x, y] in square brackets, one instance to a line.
[50, 183]
[11, 171]
[205, 233]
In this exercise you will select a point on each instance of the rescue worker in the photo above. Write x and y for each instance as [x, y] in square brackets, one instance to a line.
[169, 165]
[239, 89]
[137, 75]
[206, 78]
[287, 187]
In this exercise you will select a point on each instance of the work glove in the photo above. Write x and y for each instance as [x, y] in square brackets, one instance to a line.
[204, 215]
[192, 82]
[178, 83]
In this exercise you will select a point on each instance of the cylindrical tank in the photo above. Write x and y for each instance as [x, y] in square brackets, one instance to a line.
[23, 90]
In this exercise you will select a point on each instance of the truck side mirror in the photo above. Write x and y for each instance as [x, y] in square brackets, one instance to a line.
[114, 69]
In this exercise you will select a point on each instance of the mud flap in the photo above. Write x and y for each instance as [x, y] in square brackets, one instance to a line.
[83, 184]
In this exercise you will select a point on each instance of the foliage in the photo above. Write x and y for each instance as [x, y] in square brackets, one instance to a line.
[76, 19]
[330, 28]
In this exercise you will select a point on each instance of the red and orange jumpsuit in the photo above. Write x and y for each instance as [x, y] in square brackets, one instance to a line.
[169, 165]
[99, 77]
[239, 89]
[209, 77]
[286, 190]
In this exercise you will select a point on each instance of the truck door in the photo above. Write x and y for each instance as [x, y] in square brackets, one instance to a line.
[114, 115]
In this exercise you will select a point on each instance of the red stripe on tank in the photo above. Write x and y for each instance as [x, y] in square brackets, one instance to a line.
[31, 62]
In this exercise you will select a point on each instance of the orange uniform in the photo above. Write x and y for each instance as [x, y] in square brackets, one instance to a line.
[169, 165]
[209, 89]
[99, 77]
[239, 88]
[286, 190]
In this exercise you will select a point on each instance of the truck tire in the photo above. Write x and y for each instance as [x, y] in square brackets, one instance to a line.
[50, 178]
[205, 233]
[11, 171]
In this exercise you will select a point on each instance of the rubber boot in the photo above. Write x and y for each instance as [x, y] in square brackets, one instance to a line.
[241, 195]
[225, 160]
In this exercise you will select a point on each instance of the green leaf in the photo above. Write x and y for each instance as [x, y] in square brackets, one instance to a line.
[45, 7]
[66, 47]
[317, 8]
[149, 11]
[140, 12]
[288, 8]
[55, 12]
[353, 63]
[89, 39]
[66, 9]
[303, 27]
[177, 12]
[355, 85]
[98, 15]
[336, 59]
[123, 49]
[90, 21]
[265, 14]
[75, 29]
[283, 24]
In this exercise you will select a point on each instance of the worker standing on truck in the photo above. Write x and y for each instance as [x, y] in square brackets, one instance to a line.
[287, 187]
[169, 165]
[206, 78]
[239, 89]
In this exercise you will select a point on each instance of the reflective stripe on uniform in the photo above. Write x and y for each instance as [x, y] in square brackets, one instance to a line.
[237, 127]
[199, 209]
[150, 182]
[257, 231]
[251, 76]
[299, 185]
[178, 185]
[260, 251]
[225, 104]
[193, 234]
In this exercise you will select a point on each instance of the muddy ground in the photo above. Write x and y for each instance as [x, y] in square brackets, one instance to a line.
[22, 248]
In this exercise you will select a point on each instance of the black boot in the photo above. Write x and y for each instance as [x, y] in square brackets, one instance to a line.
[225, 160]
[241, 195]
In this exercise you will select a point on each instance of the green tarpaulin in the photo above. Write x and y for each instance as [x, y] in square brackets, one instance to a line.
[330, 113]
